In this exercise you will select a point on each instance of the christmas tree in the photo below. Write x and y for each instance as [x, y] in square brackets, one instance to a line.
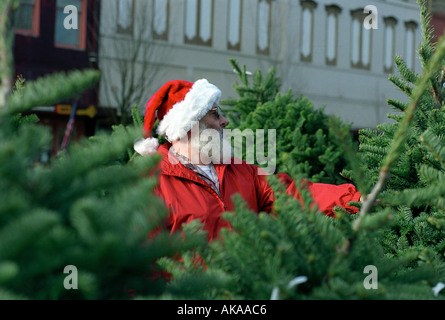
[302, 138]
[414, 183]
[83, 226]
[392, 249]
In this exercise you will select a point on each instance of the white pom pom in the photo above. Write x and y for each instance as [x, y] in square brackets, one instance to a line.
[437, 288]
[146, 147]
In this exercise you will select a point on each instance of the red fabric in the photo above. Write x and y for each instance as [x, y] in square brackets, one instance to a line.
[188, 197]
[326, 196]
[162, 101]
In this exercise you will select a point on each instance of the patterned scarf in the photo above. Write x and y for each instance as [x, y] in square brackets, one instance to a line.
[213, 183]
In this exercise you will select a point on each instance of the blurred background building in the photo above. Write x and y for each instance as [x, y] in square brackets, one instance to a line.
[437, 7]
[43, 46]
[319, 48]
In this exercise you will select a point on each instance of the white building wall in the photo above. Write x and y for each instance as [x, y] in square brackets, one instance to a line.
[357, 96]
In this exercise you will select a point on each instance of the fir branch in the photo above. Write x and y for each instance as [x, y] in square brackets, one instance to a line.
[428, 174]
[401, 84]
[434, 145]
[417, 196]
[344, 140]
[402, 132]
[63, 86]
[366, 134]
[436, 93]
[22, 232]
[19, 84]
[79, 161]
[427, 48]
[138, 120]
[407, 73]
[395, 117]
[398, 105]
[376, 150]
[242, 74]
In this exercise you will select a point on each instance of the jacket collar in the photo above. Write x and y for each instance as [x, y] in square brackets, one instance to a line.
[170, 165]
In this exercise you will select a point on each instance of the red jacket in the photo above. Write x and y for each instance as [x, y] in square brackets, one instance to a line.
[188, 197]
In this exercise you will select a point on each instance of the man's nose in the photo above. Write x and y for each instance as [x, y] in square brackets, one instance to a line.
[223, 121]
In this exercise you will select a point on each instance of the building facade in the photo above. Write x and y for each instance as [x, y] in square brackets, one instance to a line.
[43, 45]
[321, 49]
[437, 7]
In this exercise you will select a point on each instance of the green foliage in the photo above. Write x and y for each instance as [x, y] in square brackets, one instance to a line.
[415, 190]
[85, 209]
[76, 82]
[94, 206]
[138, 124]
[304, 143]
[264, 254]
[402, 234]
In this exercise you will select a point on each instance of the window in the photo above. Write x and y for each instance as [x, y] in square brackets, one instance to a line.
[332, 34]
[390, 33]
[307, 26]
[160, 19]
[74, 38]
[361, 42]
[125, 16]
[263, 26]
[234, 25]
[410, 43]
[198, 22]
[26, 18]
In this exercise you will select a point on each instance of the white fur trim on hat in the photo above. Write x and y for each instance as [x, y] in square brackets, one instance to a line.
[197, 102]
[146, 147]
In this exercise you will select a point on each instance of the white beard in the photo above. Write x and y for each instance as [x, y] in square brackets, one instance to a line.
[218, 150]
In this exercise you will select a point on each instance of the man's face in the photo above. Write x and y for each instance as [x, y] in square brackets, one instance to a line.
[214, 119]
[210, 142]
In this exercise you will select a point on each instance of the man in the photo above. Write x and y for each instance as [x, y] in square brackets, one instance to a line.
[195, 184]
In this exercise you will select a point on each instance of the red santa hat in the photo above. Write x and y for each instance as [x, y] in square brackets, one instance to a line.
[177, 105]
